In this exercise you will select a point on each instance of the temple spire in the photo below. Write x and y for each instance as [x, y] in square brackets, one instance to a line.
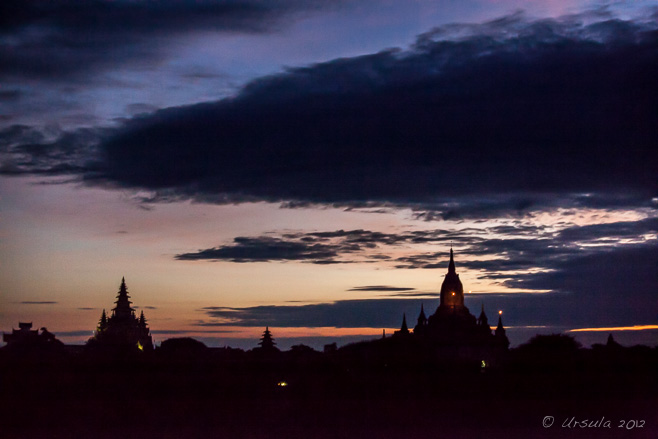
[501, 338]
[123, 302]
[482, 320]
[422, 321]
[404, 329]
[451, 265]
[452, 290]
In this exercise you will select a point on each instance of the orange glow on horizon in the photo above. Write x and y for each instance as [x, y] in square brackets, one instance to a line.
[618, 328]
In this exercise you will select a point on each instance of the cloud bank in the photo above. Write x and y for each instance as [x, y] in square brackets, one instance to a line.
[494, 250]
[67, 38]
[518, 109]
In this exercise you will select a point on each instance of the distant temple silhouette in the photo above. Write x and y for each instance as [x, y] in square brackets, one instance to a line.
[122, 329]
[452, 330]
[24, 334]
[27, 338]
[267, 341]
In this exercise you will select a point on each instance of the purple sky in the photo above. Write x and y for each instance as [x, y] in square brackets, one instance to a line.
[307, 165]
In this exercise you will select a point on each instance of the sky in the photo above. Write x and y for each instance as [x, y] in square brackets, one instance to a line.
[307, 165]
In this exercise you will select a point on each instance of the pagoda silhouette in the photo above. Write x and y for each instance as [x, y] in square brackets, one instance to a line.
[123, 329]
[267, 342]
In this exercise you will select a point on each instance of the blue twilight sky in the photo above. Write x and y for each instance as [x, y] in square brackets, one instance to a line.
[306, 165]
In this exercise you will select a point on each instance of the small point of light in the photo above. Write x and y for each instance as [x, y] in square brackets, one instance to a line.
[282, 383]
[453, 294]
[500, 313]
[469, 291]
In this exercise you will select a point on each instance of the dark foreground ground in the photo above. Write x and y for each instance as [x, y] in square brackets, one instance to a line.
[188, 398]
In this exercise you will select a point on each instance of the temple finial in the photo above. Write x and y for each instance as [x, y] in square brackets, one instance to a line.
[451, 265]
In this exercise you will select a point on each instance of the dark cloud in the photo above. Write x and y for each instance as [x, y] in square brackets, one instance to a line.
[32, 302]
[412, 294]
[381, 288]
[57, 39]
[137, 109]
[488, 207]
[185, 331]
[513, 248]
[502, 116]
[25, 149]
[87, 309]
[78, 333]
[9, 95]
[378, 313]
[616, 230]
[340, 246]
[316, 247]
[520, 205]
[445, 118]
[532, 247]
[264, 249]
[359, 236]
[616, 287]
